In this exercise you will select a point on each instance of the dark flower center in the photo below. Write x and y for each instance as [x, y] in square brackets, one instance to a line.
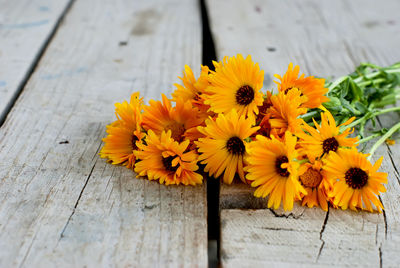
[235, 146]
[134, 140]
[290, 88]
[356, 178]
[167, 162]
[311, 178]
[262, 110]
[278, 162]
[197, 97]
[245, 95]
[330, 144]
[287, 90]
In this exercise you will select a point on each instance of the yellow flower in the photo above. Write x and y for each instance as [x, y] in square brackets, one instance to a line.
[236, 84]
[223, 148]
[273, 169]
[192, 89]
[316, 185]
[326, 137]
[125, 133]
[182, 119]
[284, 112]
[164, 159]
[356, 182]
[312, 88]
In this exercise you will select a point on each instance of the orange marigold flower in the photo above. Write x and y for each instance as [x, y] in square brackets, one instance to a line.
[235, 84]
[164, 159]
[356, 182]
[182, 119]
[273, 169]
[312, 88]
[125, 133]
[224, 145]
[325, 137]
[284, 113]
[316, 185]
[192, 89]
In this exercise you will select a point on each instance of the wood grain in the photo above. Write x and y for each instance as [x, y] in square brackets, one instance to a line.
[25, 28]
[325, 38]
[303, 240]
[60, 205]
[239, 195]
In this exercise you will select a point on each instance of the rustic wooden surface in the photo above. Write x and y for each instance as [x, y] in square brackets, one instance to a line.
[60, 205]
[25, 28]
[324, 38]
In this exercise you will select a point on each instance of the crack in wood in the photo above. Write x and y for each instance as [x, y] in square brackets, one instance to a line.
[77, 202]
[290, 215]
[390, 154]
[396, 171]
[384, 218]
[285, 229]
[320, 235]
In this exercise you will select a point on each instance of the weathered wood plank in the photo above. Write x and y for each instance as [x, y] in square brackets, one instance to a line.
[60, 205]
[388, 248]
[239, 195]
[260, 237]
[25, 28]
[324, 38]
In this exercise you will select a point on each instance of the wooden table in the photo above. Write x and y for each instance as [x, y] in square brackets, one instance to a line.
[64, 63]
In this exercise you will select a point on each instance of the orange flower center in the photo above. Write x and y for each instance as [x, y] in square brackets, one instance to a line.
[177, 129]
[278, 166]
[330, 144]
[356, 178]
[311, 178]
[245, 95]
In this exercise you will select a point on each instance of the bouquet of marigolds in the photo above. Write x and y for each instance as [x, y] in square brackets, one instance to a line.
[293, 143]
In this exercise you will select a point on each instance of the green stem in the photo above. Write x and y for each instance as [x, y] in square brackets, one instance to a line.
[388, 110]
[383, 139]
[369, 82]
[369, 138]
[309, 115]
[374, 74]
[337, 82]
[359, 120]
[370, 115]
[302, 161]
